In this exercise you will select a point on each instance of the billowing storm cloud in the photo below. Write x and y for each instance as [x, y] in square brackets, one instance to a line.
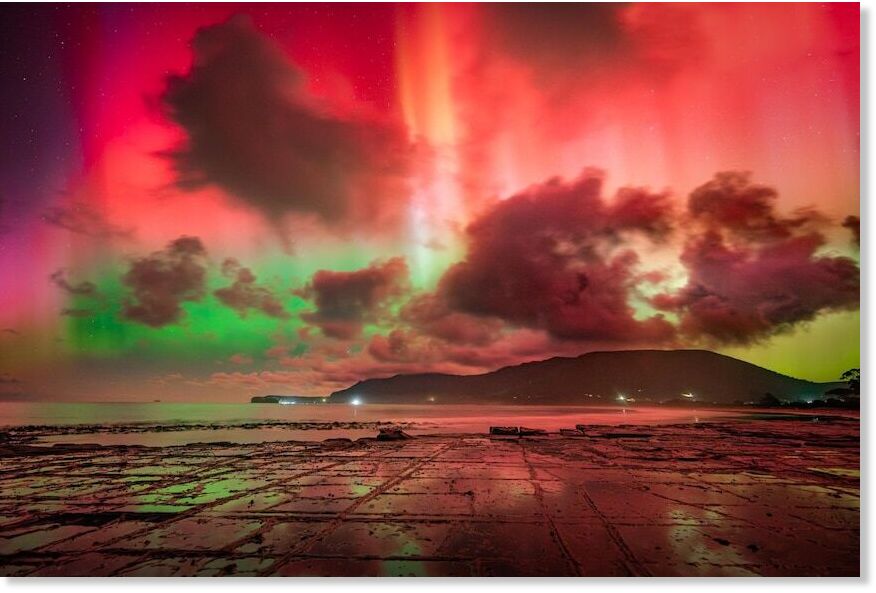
[161, 282]
[745, 210]
[346, 300]
[550, 258]
[252, 129]
[751, 272]
[245, 294]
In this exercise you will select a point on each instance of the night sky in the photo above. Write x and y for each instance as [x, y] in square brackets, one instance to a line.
[207, 202]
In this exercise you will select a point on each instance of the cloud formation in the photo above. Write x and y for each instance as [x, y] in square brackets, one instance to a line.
[84, 288]
[83, 219]
[76, 312]
[559, 36]
[562, 41]
[552, 258]
[746, 210]
[429, 314]
[253, 130]
[244, 294]
[161, 282]
[752, 273]
[853, 223]
[347, 300]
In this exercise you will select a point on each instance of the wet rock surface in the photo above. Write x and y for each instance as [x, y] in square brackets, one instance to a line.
[33, 433]
[505, 430]
[737, 498]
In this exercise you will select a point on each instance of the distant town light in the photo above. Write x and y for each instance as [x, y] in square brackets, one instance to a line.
[688, 395]
[356, 401]
[621, 398]
[284, 402]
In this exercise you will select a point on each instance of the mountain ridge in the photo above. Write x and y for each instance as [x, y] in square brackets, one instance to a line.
[594, 377]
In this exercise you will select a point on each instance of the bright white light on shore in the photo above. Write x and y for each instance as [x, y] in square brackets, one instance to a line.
[356, 401]
[285, 403]
[687, 395]
[621, 398]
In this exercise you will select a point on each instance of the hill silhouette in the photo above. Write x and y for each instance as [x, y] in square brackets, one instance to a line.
[595, 377]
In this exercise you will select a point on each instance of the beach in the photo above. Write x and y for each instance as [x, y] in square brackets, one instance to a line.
[772, 495]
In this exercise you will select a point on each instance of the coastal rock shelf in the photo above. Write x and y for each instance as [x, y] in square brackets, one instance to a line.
[760, 497]
[30, 433]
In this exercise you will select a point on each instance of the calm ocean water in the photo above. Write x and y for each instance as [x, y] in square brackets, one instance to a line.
[161, 424]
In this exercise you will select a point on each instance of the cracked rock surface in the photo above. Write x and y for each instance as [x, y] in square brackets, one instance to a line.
[759, 497]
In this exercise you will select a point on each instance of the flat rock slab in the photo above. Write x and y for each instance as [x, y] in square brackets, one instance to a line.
[777, 498]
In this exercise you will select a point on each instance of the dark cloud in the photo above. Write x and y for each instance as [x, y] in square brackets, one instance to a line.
[162, 281]
[83, 219]
[551, 258]
[429, 314]
[641, 210]
[853, 223]
[745, 209]
[85, 288]
[558, 35]
[253, 130]
[244, 294]
[394, 347]
[573, 42]
[752, 273]
[74, 312]
[82, 289]
[346, 300]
